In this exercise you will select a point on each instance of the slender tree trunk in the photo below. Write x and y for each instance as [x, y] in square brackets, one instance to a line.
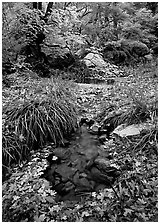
[37, 5]
[48, 11]
[40, 5]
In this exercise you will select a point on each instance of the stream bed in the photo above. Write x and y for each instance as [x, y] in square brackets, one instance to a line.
[81, 167]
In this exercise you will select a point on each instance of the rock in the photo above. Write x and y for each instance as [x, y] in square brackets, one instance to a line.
[65, 171]
[81, 183]
[100, 69]
[102, 163]
[92, 184]
[76, 178]
[80, 164]
[83, 175]
[131, 130]
[91, 153]
[69, 186]
[85, 183]
[112, 172]
[96, 175]
[94, 59]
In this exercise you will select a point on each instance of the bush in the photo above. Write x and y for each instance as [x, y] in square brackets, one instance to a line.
[47, 114]
[21, 25]
[139, 49]
[124, 51]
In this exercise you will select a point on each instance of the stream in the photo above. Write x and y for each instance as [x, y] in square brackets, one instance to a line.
[83, 166]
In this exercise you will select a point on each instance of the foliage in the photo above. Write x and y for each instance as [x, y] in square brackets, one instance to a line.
[45, 114]
[40, 113]
[20, 27]
[103, 22]
[124, 51]
[75, 25]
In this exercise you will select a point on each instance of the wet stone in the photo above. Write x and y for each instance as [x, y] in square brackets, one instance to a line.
[62, 153]
[65, 171]
[102, 163]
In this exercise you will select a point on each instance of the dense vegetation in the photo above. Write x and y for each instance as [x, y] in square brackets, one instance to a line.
[122, 31]
[47, 59]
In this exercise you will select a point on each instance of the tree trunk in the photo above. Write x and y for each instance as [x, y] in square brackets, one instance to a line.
[48, 11]
[37, 5]
[40, 5]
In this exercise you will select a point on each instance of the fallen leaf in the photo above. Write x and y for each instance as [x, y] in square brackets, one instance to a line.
[50, 199]
[85, 214]
[127, 211]
[40, 218]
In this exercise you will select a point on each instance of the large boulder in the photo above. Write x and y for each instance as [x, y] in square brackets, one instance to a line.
[100, 68]
[95, 60]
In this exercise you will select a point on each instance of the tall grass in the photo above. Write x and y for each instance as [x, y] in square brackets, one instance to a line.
[45, 112]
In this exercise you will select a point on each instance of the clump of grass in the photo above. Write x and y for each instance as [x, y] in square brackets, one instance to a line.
[140, 110]
[148, 140]
[137, 114]
[14, 150]
[46, 113]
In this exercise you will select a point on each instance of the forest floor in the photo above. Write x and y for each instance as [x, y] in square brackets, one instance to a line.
[27, 197]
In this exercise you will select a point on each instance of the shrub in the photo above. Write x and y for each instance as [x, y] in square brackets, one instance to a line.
[139, 49]
[124, 51]
[21, 25]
